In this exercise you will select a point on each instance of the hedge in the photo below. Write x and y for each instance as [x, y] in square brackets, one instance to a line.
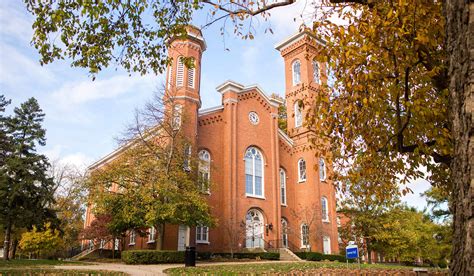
[250, 255]
[316, 256]
[152, 256]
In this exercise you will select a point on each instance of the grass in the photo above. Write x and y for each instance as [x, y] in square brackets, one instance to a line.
[35, 263]
[54, 272]
[45, 267]
[270, 268]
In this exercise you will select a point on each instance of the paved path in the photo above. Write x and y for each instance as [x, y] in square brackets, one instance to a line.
[145, 270]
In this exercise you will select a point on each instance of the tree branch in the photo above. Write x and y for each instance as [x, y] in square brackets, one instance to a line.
[246, 10]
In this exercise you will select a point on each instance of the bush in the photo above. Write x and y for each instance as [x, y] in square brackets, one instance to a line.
[442, 264]
[316, 256]
[251, 255]
[204, 255]
[152, 256]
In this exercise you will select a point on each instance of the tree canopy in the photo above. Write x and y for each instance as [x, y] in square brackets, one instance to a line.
[26, 190]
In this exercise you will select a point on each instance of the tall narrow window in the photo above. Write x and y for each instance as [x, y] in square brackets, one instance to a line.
[316, 72]
[176, 122]
[180, 73]
[283, 186]
[253, 172]
[132, 237]
[170, 75]
[322, 169]
[284, 232]
[301, 170]
[298, 114]
[202, 234]
[324, 209]
[304, 235]
[296, 68]
[187, 158]
[204, 170]
[151, 234]
[191, 73]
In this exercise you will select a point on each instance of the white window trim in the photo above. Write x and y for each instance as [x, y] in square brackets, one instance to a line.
[180, 73]
[298, 115]
[208, 169]
[191, 77]
[170, 75]
[253, 176]
[283, 187]
[318, 81]
[325, 170]
[329, 240]
[132, 233]
[152, 229]
[200, 241]
[301, 180]
[293, 73]
[327, 208]
[302, 237]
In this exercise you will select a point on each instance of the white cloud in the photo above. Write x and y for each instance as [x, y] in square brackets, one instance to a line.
[286, 20]
[77, 93]
[14, 22]
[77, 159]
[19, 69]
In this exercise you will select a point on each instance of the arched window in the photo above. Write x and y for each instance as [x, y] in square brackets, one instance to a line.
[180, 73]
[283, 186]
[177, 110]
[191, 73]
[298, 114]
[204, 170]
[301, 170]
[187, 158]
[170, 75]
[253, 172]
[133, 237]
[304, 235]
[316, 72]
[254, 229]
[322, 169]
[296, 68]
[284, 232]
[324, 209]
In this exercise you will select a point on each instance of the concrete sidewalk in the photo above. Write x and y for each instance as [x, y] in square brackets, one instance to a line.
[142, 270]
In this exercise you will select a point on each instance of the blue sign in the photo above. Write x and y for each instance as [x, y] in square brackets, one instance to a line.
[352, 252]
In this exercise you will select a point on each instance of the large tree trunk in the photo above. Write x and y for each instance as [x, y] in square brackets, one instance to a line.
[15, 246]
[6, 244]
[460, 42]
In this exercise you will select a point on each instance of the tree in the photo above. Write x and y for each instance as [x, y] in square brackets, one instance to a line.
[309, 216]
[409, 236]
[69, 194]
[25, 187]
[94, 35]
[39, 242]
[392, 109]
[132, 34]
[154, 179]
[365, 212]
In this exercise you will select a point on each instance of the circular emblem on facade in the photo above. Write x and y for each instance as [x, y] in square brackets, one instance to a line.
[253, 117]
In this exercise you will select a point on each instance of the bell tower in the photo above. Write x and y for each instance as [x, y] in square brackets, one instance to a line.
[183, 80]
[304, 75]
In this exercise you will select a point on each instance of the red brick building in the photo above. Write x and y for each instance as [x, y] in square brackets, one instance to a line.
[268, 189]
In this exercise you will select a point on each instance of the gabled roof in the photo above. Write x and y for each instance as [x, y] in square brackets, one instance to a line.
[231, 85]
[294, 38]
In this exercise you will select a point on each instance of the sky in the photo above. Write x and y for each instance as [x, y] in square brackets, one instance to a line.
[84, 117]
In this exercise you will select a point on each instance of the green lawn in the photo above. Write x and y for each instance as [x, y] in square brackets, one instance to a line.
[270, 268]
[45, 267]
[35, 263]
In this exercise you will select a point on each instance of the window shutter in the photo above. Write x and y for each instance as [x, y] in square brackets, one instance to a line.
[191, 72]
[180, 73]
